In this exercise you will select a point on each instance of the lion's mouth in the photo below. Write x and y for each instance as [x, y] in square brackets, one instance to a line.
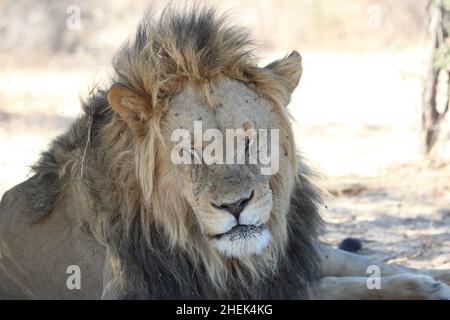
[241, 231]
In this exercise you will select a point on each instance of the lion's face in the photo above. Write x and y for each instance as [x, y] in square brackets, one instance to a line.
[232, 201]
[231, 192]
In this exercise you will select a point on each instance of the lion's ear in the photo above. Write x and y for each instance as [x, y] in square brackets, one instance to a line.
[289, 69]
[131, 107]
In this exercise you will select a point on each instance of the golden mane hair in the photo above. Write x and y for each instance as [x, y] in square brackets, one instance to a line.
[110, 167]
[195, 46]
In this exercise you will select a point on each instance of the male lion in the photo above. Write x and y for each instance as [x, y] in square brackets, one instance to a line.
[107, 197]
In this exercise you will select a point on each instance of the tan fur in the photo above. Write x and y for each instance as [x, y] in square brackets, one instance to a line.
[157, 72]
[168, 207]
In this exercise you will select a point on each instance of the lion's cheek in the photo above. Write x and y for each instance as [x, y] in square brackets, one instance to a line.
[213, 223]
[259, 212]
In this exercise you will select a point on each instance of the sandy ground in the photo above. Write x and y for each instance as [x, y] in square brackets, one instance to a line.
[356, 120]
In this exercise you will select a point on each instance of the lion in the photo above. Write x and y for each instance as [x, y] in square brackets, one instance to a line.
[107, 201]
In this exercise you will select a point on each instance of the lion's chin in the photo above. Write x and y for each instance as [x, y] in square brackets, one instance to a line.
[235, 246]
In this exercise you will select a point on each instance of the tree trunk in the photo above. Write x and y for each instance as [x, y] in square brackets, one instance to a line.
[438, 69]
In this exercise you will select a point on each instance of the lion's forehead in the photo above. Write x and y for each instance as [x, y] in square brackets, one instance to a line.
[228, 104]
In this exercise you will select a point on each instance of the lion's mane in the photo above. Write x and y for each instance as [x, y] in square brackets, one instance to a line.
[111, 173]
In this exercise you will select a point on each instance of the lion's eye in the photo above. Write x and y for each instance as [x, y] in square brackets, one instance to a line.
[247, 145]
[250, 143]
[197, 155]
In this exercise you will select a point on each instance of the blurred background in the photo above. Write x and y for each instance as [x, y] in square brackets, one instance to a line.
[360, 110]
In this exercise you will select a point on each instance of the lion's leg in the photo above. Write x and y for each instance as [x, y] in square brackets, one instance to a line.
[338, 263]
[400, 287]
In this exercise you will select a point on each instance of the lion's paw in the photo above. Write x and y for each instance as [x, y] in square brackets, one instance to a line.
[425, 287]
[442, 275]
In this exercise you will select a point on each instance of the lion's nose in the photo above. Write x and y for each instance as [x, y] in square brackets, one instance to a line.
[237, 207]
